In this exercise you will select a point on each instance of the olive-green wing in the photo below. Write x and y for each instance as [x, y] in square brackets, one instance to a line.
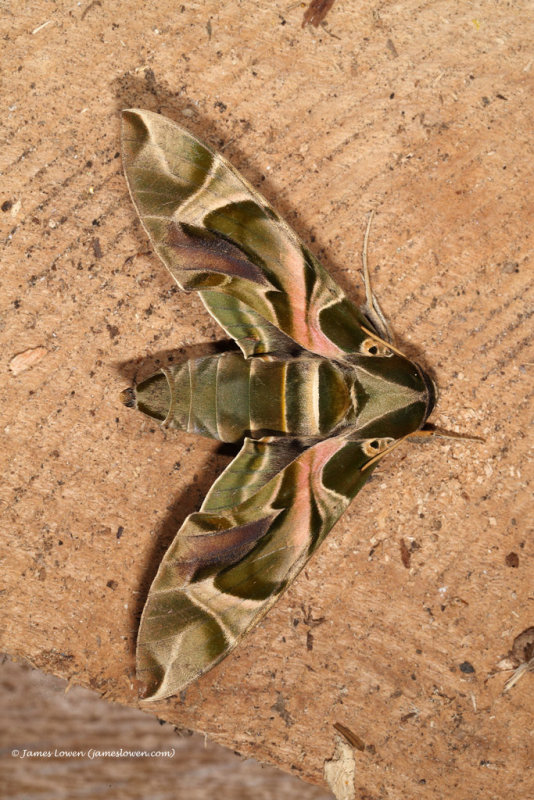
[259, 524]
[217, 235]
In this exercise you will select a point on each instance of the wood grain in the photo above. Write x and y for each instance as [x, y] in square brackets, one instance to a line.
[422, 111]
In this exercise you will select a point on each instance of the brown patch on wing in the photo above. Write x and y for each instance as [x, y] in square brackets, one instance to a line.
[219, 548]
[207, 252]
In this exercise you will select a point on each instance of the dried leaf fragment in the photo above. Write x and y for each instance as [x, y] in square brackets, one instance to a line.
[316, 12]
[405, 554]
[523, 646]
[339, 770]
[352, 738]
[527, 666]
[523, 655]
[27, 359]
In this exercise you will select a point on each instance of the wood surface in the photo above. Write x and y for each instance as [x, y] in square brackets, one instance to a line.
[101, 749]
[399, 626]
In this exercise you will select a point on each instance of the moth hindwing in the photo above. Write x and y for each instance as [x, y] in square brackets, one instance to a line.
[314, 394]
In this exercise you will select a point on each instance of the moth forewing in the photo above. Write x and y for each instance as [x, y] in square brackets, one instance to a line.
[315, 394]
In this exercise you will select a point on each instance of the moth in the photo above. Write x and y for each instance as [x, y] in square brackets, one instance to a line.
[317, 394]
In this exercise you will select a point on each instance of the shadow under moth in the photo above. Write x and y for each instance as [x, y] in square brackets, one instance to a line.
[317, 394]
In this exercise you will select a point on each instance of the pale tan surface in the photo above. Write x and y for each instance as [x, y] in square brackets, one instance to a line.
[422, 111]
[73, 745]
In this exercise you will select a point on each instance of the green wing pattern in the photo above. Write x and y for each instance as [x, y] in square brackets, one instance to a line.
[259, 524]
[216, 234]
[254, 335]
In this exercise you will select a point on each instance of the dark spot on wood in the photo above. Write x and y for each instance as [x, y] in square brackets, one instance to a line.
[150, 80]
[112, 585]
[392, 49]
[120, 531]
[280, 708]
[405, 554]
[7, 205]
[308, 619]
[467, 668]
[97, 249]
[512, 560]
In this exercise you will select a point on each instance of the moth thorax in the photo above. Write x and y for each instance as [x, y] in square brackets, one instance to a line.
[297, 397]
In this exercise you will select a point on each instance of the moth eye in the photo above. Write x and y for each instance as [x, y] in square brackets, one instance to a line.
[371, 347]
[373, 447]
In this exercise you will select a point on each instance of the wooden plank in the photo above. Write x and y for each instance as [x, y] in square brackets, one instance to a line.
[422, 112]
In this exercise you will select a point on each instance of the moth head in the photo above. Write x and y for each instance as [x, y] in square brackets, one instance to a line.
[431, 391]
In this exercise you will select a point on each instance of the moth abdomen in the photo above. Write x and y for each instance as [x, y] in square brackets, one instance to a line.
[128, 397]
[152, 396]
[208, 396]
[228, 397]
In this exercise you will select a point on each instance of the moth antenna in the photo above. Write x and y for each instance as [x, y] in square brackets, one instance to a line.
[435, 432]
[372, 308]
[443, 434]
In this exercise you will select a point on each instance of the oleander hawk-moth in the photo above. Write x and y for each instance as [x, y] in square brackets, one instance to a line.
[316, 394]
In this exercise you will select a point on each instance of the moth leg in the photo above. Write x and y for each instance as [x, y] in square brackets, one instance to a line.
[371, 307]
